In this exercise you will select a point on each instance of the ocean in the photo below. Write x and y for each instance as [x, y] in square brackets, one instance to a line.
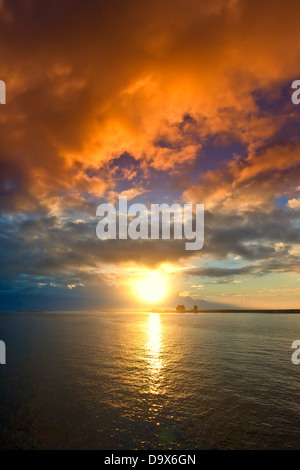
[149, 381]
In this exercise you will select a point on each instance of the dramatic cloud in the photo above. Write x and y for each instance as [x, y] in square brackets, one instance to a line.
[159, 101]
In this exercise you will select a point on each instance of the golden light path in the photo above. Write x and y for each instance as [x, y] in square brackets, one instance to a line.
[154, 351]
[154, 343]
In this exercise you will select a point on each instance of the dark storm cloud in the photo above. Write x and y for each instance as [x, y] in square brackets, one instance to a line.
[52, 247]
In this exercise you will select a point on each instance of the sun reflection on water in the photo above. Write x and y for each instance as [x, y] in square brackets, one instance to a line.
[154, 347]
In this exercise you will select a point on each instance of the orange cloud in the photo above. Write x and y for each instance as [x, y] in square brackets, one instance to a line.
[127, 78]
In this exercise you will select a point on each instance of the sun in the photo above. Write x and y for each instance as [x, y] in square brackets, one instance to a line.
[152, 288]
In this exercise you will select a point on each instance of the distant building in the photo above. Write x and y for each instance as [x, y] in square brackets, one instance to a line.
[180, 309]
[195, 308]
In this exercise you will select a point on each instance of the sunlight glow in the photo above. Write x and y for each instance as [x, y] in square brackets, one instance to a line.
[152, 288]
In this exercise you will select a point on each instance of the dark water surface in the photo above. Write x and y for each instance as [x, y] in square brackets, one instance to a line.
[149, 381]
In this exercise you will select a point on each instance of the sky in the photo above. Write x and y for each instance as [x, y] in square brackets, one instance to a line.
[161, 101]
